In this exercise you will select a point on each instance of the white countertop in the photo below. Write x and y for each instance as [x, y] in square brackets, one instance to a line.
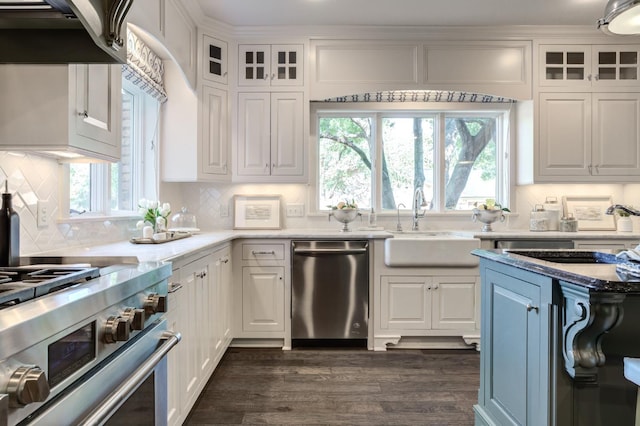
[186, 246]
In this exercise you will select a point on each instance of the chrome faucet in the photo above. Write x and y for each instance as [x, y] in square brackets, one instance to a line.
[399, 225]
[418, 201]
[627, 209]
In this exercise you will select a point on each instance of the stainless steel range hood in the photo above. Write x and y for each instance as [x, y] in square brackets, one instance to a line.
[63, 31]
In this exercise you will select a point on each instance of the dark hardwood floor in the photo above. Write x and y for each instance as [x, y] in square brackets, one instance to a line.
[341, 386]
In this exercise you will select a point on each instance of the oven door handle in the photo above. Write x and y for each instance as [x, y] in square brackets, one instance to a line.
[109, 406]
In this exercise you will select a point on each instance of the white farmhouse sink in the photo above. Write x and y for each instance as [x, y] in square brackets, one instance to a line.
[430, 248]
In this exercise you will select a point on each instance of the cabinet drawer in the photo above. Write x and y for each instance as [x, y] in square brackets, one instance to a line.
[263, 251]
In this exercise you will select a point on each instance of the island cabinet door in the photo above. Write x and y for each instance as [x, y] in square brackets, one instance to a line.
[512, 371]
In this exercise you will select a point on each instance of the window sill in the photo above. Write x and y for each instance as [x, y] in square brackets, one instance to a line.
[98, 218]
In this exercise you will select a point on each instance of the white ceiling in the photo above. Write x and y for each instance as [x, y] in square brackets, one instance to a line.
[404, 12]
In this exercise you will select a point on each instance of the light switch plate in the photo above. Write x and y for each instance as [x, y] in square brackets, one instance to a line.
[295, 210]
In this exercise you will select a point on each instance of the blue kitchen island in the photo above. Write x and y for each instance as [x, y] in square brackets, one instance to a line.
[555, 327]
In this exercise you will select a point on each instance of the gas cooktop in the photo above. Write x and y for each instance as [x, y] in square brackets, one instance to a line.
[21, 283]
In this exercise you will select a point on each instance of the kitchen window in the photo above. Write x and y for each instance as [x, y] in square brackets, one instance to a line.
[379, 157]
[114, 189]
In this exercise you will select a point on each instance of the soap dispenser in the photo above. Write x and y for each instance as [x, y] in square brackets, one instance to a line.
[9, 231]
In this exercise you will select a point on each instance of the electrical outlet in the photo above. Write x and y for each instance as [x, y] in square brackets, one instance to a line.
[295, 210]
[224, 210]
[42, 214]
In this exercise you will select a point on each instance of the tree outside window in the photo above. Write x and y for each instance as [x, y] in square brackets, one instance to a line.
[452, 158]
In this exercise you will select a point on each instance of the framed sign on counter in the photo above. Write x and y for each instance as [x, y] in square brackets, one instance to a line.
[256, 212]
[590, 212]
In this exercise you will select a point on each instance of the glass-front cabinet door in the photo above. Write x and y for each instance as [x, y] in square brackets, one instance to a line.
[270, 65]
[214, 59]
[286, 62]
[616, 64]
[589, 66]
[565, 65]
[254, 65]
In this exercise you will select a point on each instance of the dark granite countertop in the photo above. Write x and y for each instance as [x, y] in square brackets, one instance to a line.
[597, 271]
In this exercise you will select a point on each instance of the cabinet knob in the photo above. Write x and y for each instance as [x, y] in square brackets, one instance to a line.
[84, 114]
[596, 77]
[224, 74]
[530, 308]
[589, 77]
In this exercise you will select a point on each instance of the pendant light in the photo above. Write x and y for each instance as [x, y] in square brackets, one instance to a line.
[621, 17]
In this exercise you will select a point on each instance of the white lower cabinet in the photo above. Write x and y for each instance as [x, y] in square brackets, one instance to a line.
[262, 292]
[426, 308]
[424, 303]
[199, 301]
[263, 298]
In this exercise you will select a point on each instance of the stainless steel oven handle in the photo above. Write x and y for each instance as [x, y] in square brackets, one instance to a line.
[105, 410]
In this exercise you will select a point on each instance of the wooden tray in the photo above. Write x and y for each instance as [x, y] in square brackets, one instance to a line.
[171, 236]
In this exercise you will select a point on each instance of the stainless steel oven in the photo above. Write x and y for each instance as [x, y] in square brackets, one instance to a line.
[129, 388]
[92, 351]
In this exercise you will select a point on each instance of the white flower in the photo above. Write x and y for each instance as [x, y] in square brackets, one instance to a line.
[165, 209]
[140, 224]
[142, 211]
[143, 203]
[153, 204]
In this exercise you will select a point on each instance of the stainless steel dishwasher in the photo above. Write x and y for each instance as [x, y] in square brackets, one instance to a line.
[330, 290]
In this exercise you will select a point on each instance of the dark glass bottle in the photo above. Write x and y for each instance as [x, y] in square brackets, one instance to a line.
[9, 233]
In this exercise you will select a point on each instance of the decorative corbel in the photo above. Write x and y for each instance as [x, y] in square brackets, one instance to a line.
[586, 317]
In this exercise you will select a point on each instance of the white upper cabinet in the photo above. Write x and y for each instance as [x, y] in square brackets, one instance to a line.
[214, 59]
[588, 137]
[588, 66]
[501, 68]
[270, 65]
[270, 137]
[343, 67]
[213, 132]
[194, 132]
[357, 66]
[73, 108]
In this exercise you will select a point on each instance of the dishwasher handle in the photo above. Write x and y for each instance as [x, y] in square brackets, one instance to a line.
[305, 251]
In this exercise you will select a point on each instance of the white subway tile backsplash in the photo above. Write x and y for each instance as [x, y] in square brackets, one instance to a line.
[32, 178]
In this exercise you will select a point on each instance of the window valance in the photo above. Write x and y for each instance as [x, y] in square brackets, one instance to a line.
[421, 96]
[144, 68]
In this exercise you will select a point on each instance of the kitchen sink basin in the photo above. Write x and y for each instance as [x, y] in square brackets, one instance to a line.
[569, 256]
[430, 248]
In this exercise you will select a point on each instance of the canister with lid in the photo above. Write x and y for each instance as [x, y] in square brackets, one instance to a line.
[554, 212]
[539, 220]
[568, 223]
